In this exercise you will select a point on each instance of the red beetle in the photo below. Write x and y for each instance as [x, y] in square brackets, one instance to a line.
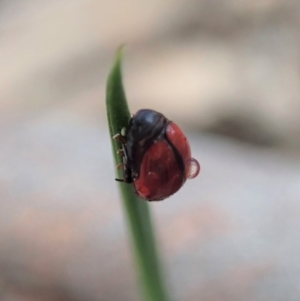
[157, 156]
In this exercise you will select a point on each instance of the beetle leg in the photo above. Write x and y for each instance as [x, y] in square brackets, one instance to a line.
[120, 152]
[120, 180]
[120, 166]
[120, 138]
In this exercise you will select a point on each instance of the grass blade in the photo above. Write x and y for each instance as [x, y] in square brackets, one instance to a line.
[137, 210]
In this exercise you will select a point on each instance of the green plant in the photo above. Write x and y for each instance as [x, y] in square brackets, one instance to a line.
[137, 210]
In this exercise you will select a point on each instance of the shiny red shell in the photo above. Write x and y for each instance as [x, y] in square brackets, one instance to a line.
[157, 156]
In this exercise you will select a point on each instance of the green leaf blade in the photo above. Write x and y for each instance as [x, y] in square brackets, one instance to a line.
[137, 210]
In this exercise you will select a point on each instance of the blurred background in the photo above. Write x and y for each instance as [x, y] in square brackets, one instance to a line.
[228, 72]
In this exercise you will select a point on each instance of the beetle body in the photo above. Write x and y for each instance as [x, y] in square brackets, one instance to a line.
[157, 156]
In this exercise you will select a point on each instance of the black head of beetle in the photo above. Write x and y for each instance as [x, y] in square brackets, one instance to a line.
[144, 128]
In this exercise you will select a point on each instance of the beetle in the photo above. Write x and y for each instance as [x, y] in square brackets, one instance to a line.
[156, 155]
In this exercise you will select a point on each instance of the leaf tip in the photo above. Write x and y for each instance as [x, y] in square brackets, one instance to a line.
[119, 55]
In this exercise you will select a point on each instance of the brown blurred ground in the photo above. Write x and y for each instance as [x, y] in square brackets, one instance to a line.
[229, 67]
